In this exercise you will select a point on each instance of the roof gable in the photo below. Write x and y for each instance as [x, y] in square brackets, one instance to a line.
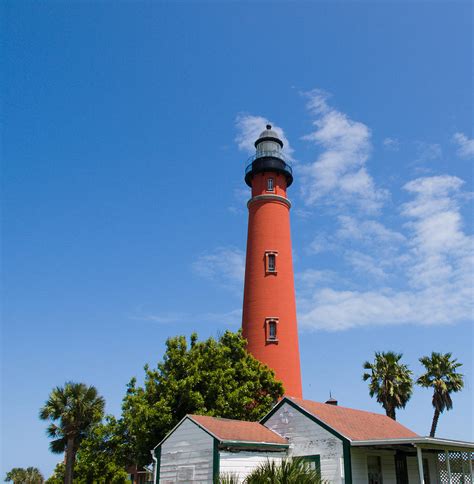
[353, 424]
[228, 430]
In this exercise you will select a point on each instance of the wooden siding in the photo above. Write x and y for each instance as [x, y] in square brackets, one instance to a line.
[308, 438]
[187, 452]
[243, 463]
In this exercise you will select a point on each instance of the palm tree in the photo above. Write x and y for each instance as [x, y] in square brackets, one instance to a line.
[76, 407]
[441, 375]
[390, 381]
[288, 471]
[30, 475]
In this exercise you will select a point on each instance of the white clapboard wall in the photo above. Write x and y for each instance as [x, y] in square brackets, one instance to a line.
[187, 456]
[308, 438]
[240, 464]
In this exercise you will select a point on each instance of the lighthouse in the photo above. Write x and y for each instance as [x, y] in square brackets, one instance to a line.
[269, 310]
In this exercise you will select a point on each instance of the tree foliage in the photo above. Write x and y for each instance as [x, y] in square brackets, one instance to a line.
[58, 475]
[390, 381]
[212, 377]
[441, 375]
[19, 475]
[101, 458]
[75, 407]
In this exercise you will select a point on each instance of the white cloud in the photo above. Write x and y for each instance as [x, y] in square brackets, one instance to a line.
[437, 268]
[249, 128]
[339, 175]
[224, 265]
[370, 231]
[465, 145]
[366, 264]
[440, 250]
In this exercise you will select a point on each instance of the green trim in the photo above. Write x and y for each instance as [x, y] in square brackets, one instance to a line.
[316, 458]
[253, 445]
[158, 464]
[346, 447]
[306, 414]
[215, 462]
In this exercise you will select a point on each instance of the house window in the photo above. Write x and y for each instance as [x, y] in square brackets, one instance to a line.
[312, 463]
[271, 330]
[270, 186]
[270, 262]
[374, 469]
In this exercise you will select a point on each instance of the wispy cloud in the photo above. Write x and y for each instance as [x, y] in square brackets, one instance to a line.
[427, 152]
[224, 265]
[437, 267]
[369, 231]
[230, 318]
[249, 128]
[391, 144]
[240, 198]
[465, 145]
[339, 176]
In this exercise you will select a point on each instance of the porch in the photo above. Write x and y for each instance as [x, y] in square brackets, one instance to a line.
[422, 460]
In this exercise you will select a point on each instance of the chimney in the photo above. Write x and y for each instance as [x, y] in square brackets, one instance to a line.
[331, 401]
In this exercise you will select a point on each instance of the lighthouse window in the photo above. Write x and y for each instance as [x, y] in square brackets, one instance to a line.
[270, 187]
[271, 329]
[270, 262]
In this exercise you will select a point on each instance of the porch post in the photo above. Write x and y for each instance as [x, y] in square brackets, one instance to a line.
[420, 465]
[469, 456]
[448, 466]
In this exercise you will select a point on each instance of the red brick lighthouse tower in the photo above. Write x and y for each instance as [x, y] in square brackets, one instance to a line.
[269, 310]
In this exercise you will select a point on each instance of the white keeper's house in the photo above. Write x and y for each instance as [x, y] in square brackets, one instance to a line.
[347, 446]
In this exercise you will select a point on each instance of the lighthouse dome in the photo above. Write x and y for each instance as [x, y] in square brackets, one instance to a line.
[269, 157]
[268, 140]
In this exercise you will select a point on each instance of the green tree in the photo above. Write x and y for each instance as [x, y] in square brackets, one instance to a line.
[289, 471]
[75, 407]
[30, 475]
[102, 455]
[212, 377]
[390, 381]
[58, 475]
[441, 375]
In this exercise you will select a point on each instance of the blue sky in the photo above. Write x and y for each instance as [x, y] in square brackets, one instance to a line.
[126, 130]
